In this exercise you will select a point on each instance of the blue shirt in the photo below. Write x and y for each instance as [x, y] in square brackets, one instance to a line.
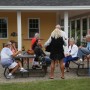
[88, 45]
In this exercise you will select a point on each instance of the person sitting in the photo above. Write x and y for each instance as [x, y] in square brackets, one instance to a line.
[7, 59]
[34, 39]
[84, 50]
[71, 54]
[40, 54]
[14, 50]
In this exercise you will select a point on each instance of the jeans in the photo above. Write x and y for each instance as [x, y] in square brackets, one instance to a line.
[82, 52]
[68, 59]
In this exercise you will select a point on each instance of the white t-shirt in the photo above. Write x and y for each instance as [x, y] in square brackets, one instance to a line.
[6, 53]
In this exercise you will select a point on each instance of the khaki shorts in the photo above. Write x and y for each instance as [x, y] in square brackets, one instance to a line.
[13, 65]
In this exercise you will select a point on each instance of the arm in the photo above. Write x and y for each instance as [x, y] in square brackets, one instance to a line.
[16, 53]
[10, 53]
[48, 42]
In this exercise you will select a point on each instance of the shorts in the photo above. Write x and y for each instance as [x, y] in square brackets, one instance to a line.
[8, 63]
[13, 65]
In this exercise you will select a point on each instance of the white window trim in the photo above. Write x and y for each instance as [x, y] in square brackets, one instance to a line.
[28, 25]
[7, 26]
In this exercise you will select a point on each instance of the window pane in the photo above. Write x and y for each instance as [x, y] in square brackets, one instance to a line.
[84, 27]
[0, 25]
[36, 21]
[85, 24]
[73, 29]
[78, 33]
[4, 25]
[3, 28]
[4, 21]
[73, 24]
[33, 27]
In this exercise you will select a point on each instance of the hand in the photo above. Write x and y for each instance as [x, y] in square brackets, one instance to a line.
[19, 51]
[80, 46]
[66, 55]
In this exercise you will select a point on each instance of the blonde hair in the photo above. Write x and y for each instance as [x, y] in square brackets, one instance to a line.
[72, 39]
[56, 33]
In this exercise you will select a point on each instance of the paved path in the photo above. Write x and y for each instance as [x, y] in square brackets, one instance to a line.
[68, 75]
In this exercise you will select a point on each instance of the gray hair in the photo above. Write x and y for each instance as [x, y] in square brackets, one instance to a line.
[37, 35]
[8, 43]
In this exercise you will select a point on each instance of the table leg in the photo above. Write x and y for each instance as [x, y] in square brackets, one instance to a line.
[28, 66]
[88, 63]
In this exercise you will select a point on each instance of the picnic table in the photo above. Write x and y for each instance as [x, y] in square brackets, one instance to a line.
[25, 57]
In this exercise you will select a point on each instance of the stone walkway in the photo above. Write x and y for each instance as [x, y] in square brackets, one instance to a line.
[68, 75]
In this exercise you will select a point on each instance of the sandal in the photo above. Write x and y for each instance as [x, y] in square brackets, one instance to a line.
[51, 77]
[62, 78]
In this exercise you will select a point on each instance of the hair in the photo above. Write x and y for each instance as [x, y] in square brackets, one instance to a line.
[8, 43]
[12, 41]
[36, 35]
[72, 39]
[88, 36]
[56, 33]
[58, 26]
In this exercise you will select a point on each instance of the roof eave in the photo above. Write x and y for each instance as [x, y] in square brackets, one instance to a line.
[44, 7]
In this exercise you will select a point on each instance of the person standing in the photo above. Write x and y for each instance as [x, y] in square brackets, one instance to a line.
[56, 43]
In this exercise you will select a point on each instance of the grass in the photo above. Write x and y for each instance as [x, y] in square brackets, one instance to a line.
[74, 84]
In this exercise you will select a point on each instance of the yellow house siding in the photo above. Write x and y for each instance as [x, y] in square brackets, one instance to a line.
[12, 25]
[47, 25]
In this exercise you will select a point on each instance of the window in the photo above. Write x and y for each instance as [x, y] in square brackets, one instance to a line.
[78, 37]
[3, 28]
[33, 27]
[84, 21]
[73, 29]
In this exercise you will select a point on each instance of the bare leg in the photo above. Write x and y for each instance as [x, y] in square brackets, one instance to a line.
[52, 67]
[15, 69]
[19, 63]
[62, 68]
[56, 62]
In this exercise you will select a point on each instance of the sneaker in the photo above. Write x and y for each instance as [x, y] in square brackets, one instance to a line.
[23, 70]
[37, 66]
[66, 70]
[10, 77]
[79, 61]
[33, 67]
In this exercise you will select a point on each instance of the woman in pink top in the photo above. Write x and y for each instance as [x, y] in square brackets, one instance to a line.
[14, 50]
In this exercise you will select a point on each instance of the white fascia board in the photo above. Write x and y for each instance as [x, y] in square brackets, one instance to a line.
[44, 7]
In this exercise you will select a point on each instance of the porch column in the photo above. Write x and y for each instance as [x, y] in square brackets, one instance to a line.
[19, 30]
[81, 32]
[57, 18]
[70, 29]
[87, 25]
[66, 27]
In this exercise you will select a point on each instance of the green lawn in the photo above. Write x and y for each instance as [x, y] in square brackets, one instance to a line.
[74, 84]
